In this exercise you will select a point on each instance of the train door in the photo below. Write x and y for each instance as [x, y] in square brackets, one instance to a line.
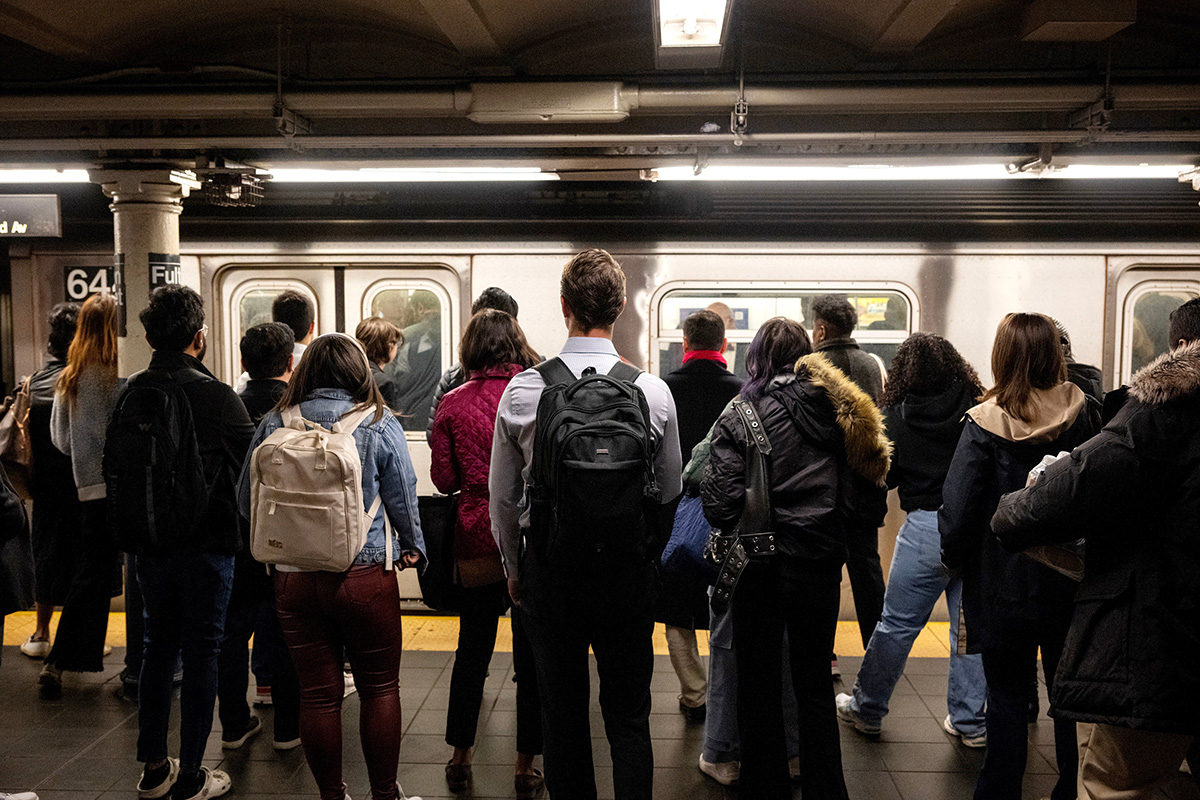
[1146, 294]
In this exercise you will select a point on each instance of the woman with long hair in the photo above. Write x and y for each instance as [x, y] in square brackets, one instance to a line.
[358, 610]
[929, 389]
[827, 446]
[381, 339]
[493, 350]
[1012, 604]
[84, 398]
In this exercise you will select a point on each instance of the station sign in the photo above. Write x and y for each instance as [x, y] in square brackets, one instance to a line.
[30, 215]
[83, 282]
[164, 270]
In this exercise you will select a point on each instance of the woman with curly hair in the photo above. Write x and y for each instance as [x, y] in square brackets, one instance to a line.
[929, 389]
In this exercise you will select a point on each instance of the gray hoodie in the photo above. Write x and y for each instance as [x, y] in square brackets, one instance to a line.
[78, 428]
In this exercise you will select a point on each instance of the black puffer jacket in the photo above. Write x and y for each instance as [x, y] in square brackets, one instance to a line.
[1132, 656]
[1006, 596]
[827, 445]
[925, 429]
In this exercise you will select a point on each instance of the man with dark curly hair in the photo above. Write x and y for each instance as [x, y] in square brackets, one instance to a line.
[834, 319]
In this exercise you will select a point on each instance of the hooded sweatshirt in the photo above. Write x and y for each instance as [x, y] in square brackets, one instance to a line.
[924, 429]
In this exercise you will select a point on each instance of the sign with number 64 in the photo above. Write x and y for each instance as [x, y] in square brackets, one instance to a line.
[83, 282]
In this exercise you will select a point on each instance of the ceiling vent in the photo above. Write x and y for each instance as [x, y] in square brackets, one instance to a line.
[1076, 20]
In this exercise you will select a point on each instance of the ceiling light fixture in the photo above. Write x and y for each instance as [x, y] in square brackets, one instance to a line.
[409, 174]
[43, 176]
[888, 172]
[690, 34]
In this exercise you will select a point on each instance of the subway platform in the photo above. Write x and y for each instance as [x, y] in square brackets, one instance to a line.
[81, 747]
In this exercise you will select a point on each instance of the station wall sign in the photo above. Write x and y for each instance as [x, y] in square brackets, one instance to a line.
[30, 215]
[164, 270]
[83, 282]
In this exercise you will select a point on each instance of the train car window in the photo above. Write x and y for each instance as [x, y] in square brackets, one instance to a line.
[252, 304]
[421, 309]
[1146, 329]
[884, 319]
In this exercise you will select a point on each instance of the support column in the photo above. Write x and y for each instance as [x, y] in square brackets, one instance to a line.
[146, 204]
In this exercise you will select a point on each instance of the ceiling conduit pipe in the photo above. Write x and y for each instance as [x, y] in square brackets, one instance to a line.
[565, 102]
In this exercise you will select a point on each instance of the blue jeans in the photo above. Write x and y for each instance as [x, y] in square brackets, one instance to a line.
[917, 580]
[185, 595]
[721, 742]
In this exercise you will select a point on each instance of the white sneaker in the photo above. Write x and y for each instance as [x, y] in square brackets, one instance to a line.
[18, 796]
[216, 783]
[34, 648]
[846, 713]
[107, 649]
[348, 682]
[163, 789]
[725, 773]
[977, 741]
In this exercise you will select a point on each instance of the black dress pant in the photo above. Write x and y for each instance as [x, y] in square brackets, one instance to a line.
[1007, 671]
[610, 608]
[866, 576]
[777, 594]
[477, 622]
[79, 641]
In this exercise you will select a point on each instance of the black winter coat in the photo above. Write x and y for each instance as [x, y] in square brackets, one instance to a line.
[855, 363]
[1006, 596]
[1132, 657]
[16, 552]
[925, 430]
[827, 445]
[701, 388]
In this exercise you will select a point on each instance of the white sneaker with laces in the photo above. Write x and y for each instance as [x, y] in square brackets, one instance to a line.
[846, 713]
[977, 741]
[348, 681]
[34, 648]
[18, 796]
[725, 773]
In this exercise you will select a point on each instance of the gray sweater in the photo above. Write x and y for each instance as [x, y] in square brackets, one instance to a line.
[78, 428]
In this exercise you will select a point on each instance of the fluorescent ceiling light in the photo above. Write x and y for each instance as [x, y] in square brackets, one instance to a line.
[400, 175]
[43, 176]
[691, 23]
[885, 172]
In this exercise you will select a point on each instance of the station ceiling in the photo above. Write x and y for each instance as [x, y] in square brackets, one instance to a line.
[582, 87]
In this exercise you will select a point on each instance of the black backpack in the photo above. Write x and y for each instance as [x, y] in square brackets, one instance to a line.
[592, 490]
[154, 475]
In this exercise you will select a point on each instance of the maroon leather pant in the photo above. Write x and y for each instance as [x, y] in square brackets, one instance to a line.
[358, 612]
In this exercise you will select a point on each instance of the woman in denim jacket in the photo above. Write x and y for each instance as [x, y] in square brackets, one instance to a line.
[358, 610]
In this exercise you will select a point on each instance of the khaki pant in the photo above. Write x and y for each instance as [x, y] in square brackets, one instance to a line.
[685, 658]
[1125, 764]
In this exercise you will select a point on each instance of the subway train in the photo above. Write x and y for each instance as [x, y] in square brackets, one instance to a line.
[1113, 300]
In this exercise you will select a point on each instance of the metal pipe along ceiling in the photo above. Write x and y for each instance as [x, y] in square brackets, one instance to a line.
[499, 101]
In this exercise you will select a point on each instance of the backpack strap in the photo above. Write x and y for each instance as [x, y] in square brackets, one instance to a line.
[387, 528]
[555, 371]
[349, 423]
[624, 371]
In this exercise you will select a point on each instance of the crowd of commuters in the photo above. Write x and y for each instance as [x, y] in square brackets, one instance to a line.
[568, 473]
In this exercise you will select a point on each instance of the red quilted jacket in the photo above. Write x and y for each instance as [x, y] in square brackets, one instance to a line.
[462, 452]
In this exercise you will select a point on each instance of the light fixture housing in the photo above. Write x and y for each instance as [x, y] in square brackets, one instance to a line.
[690, 34]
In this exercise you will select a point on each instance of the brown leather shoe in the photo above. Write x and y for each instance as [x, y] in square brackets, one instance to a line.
[529, 786]
[458, 776]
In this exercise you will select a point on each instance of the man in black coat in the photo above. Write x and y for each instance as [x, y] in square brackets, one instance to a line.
[1130, 670]
[702, 387]
[834, 319]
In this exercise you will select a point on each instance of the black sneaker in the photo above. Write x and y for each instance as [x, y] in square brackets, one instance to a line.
[232, 740]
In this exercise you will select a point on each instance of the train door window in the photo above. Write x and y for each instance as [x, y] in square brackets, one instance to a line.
[1147, 311]
[421, 309]
[885, 317]
[250, 304]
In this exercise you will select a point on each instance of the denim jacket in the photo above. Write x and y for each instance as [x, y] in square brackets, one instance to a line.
[386, 469]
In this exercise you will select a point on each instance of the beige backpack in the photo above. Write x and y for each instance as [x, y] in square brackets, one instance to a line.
[306, 498]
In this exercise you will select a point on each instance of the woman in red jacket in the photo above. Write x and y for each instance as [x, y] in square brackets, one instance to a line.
[493, 350]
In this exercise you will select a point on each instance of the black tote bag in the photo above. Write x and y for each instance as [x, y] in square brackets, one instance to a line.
[439, 590]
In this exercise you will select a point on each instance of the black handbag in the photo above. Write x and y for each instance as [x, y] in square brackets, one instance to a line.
[752, 536]
[439, 590]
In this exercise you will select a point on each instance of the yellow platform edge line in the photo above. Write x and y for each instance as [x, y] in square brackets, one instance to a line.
[440, 634]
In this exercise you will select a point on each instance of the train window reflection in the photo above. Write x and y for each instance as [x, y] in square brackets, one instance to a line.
[884, 319]
[418, 365]
[1147, 337]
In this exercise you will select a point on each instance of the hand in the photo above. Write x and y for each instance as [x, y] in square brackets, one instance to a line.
[514, 591]
[409, 558]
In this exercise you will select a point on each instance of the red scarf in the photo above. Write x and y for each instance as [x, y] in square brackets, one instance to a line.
[706, 355]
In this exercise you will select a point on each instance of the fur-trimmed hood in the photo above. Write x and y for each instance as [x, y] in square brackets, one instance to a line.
[1169, 377]
[868, 451]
